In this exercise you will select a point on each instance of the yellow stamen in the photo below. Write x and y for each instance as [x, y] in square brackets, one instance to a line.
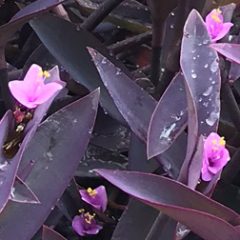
[222, 142]
[89, 217]
[91, 192]
[215, 15]
[45, 74]
[81, 210]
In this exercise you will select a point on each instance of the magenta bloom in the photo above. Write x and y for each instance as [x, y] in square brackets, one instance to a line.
[215, 156]
[216, 27]
[96, 197]
[85, 224]
[36, 89]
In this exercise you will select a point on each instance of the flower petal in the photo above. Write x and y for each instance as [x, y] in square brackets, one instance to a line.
[207, 176]
[95, 228]
[33, 74]
[103, 199]
[47, 91]
[78, 225]
[20, 92]
[225, 29]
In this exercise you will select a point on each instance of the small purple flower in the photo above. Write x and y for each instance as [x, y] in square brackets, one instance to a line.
[216, 27]
[96, 197]
[215, 156]
[36, 89]
[85, 224]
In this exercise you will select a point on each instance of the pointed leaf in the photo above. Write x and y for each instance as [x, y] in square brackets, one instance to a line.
[135, 105]
[22, 193]
[68, 45]
[201, 214]
[54, 153]
[200, 67]
[25, 14]
[9, 167]
[229, 50]
[168, 118]
[139, 228]
[50, 234]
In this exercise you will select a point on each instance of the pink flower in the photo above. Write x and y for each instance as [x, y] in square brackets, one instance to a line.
[217, 29]
[215, 156]
[96, 197]
[36, 89]
[85, 224]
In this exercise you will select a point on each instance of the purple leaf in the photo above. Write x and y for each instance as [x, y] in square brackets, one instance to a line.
[200, 67]
[140, 227]
[32, 10]
[234, 72]
[195, 166]
[54, 153]
[22, 193]
[229, 50]
[135, 105]
[227, 11]
[50, 234]
[62, 38]
[168, 119]
[9, 167]
[189, 207]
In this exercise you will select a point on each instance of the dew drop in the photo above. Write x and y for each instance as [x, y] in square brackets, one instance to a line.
[186, 34]
[182, 231]
[104, 61]
[213, 117]
[118, 72]
[214, 66]
[194, 75]
[205, 104]
[208, 91]
[167, 166]
[205, 41]
[206, 65]
[3, 166]
[165, 134]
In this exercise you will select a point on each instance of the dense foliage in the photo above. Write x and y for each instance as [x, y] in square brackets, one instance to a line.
[120, 120]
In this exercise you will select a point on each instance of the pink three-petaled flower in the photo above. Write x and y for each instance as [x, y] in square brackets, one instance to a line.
[37, 87]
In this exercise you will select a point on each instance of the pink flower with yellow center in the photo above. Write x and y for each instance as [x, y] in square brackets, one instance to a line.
[216, 26]
[85, 224]
[36, 88]
[95, 197]
[215, 156]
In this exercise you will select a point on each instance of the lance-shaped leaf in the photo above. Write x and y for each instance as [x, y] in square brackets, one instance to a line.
[133, 102]
[135, 105]
[140, 227]
[201, 214]
[229, 50]
[54, 153]
[21, 193]
[68, 45]
[32, 10]
[199, 63]
[168, 118]
[9, 167]
[50, 234]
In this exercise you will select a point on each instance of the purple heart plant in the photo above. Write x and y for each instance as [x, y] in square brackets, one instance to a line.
[120, 124]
